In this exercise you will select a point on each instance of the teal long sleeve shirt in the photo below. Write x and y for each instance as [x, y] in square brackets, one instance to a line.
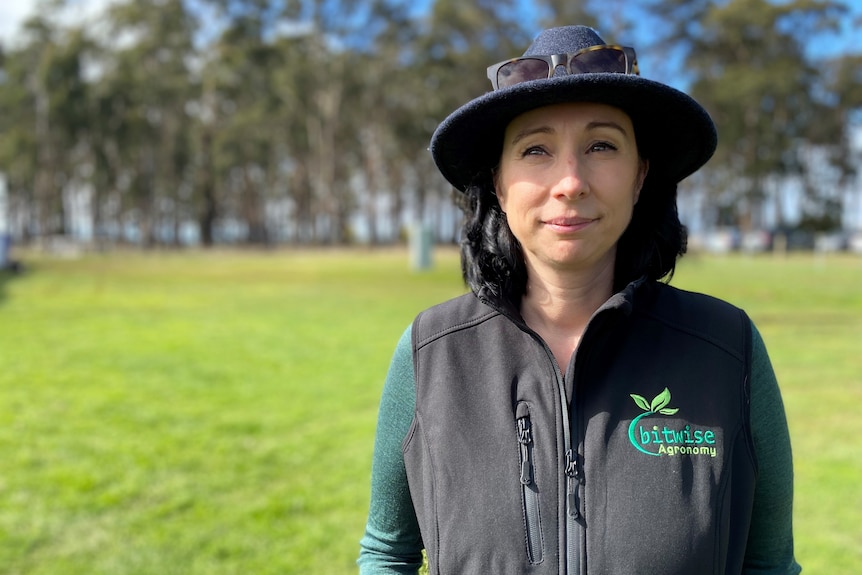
[393, 545]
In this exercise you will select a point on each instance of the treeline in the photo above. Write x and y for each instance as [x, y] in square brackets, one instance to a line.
[307, 122]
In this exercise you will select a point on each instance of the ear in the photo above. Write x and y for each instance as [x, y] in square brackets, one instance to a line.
[499, 191]
[643, 169]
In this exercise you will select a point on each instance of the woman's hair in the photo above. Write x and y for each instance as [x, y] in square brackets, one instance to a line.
[491, 257]
[492, 261]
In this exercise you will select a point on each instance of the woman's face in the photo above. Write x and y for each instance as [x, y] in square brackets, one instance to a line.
[568, 180]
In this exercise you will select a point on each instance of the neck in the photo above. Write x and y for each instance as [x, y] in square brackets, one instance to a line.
[558, 305]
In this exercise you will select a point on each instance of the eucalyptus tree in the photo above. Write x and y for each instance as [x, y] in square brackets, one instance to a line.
[835, 137]
[322, 142]
[273, 97]
[239, 80]
[18, 145]
[354, 91]
[143, 86]
[382, 114]
[43, 97]
[749, 63]
[458, 41]
[295, 89]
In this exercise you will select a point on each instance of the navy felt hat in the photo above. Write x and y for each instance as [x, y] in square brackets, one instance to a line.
[673, 131]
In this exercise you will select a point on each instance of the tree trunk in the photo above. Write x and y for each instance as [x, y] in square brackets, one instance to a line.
[206, 186]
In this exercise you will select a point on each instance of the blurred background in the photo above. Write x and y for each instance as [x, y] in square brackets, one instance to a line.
[205, 214]
[306, 122]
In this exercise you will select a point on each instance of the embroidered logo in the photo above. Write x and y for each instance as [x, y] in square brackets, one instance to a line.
[664, 440]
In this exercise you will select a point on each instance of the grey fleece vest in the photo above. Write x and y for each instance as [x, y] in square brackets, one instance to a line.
[637, 460]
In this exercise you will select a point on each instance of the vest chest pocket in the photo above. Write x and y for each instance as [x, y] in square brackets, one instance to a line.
[529, 489]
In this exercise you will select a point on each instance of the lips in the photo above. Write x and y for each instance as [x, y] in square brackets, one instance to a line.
[574, 221]
[568, 225]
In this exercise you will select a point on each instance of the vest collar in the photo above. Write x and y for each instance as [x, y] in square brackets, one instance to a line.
[622, 302]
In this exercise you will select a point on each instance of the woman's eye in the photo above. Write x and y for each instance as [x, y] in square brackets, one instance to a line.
[602, 147]
[534, 151]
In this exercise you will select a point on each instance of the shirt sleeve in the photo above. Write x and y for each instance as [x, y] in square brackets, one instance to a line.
[770, 540]
[392, 542]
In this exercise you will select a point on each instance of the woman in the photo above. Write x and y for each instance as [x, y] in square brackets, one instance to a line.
[573, 414]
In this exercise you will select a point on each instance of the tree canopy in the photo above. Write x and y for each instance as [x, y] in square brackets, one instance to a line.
[307, 122]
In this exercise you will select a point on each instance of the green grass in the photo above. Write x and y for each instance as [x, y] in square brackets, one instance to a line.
[214, 413]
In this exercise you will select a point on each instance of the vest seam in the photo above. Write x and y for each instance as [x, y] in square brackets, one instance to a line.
[472, 322]
[417, 428]
[411, 432]
[425, 445]
[720, 512]
[746, 393]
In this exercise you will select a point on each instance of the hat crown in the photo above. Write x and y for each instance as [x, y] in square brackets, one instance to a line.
[676, 133]
[564, 40]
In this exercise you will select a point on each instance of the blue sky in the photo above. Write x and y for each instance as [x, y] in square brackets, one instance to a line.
[14, 12]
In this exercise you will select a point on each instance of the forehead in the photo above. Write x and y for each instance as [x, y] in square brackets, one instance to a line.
[571, 115]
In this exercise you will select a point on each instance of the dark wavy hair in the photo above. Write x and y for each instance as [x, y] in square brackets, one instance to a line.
[492, 261]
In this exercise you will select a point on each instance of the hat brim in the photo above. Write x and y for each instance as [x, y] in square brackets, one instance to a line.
[675, 133]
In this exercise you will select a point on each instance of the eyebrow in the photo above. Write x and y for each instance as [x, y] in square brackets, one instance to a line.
[607, 124]
[549, 130]
[530, 131]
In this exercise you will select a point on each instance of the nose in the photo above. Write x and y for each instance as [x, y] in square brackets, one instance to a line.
[571, 180]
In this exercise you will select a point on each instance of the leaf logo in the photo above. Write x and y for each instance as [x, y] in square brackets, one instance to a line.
[659, 404]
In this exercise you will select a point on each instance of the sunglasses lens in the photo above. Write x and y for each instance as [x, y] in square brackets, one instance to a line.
[522, 70]
[611, 60]
[595, 60]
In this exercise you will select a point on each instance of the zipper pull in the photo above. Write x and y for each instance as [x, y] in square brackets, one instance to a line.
[574, 480]
[524, 439]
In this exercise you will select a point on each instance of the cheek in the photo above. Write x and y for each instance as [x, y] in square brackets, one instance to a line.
[512, 196]
[627, 189]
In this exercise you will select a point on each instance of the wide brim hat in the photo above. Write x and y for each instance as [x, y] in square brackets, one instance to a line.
[673, 131]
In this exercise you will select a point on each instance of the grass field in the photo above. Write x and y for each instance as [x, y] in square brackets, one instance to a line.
[213, 413]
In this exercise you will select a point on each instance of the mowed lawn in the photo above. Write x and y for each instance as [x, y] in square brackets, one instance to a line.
[214, 413]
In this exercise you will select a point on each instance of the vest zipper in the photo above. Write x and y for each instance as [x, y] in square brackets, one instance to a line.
[576, 535]
[572, 484]
[573, 539]
[529, 489]
[574, 543]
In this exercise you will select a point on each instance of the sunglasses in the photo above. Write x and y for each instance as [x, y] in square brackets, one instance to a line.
[605, 58]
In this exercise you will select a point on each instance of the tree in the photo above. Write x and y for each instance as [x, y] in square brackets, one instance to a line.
[142, 149]
[309, 121]
[748, 66]
[241, 82]
[844, 86]
[45, 120]
[459, 41]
